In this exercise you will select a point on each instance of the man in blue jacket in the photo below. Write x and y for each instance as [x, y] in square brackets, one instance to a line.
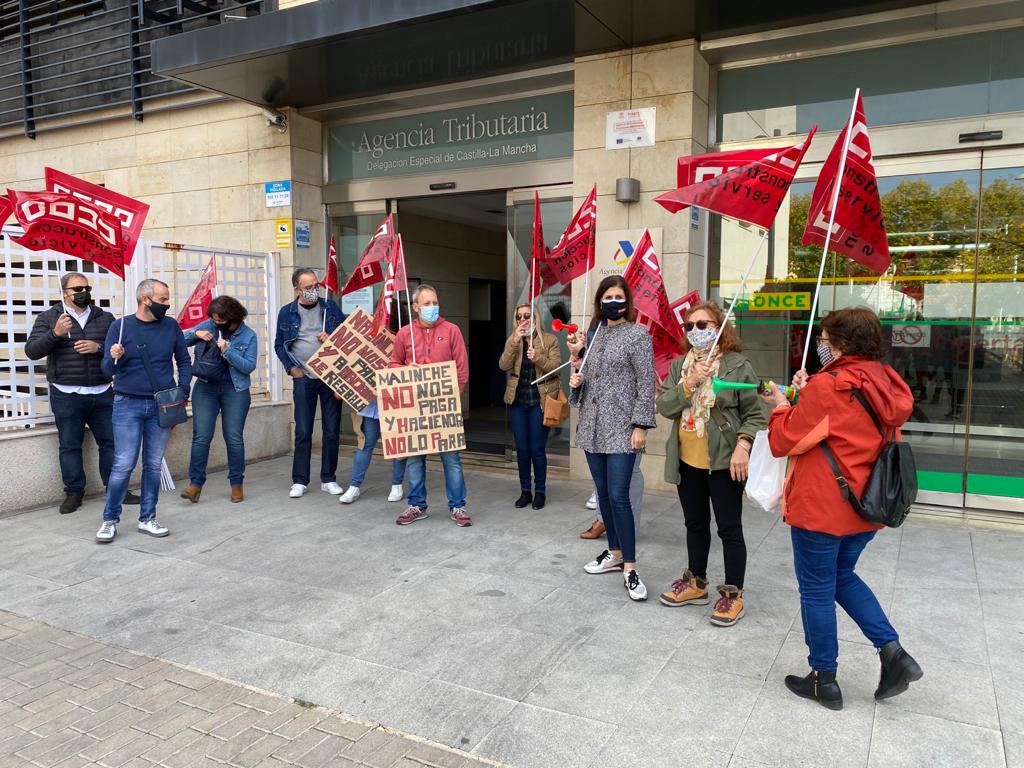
[302, 326]
[135, 421]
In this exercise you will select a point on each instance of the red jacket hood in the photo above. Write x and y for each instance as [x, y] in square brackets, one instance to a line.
[888, 394]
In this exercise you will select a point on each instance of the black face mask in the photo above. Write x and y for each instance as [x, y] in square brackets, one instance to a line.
[613, 309]
[159, 310]
[224, 328]
[82, 299]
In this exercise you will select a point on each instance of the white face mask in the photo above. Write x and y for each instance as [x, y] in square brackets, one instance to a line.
[309, 296]
[701, 339]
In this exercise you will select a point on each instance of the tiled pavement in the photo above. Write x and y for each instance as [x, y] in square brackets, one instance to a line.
[492, 639]
[67, 701]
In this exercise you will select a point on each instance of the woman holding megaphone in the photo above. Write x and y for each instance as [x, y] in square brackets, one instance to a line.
[711, 396]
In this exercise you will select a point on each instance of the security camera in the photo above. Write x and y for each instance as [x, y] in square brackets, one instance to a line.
[276, 119]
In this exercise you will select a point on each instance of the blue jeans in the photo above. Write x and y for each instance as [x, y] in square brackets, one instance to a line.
[135, 426]
[305, 394]
[72, 413]
[207, 401]
[612, 473]
[531, 439]
[824, 570]
[361, 461]
[454, 481]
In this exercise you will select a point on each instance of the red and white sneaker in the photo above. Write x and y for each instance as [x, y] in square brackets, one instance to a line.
[460, 518]
[411, 515]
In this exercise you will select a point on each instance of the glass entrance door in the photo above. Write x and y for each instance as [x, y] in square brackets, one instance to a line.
[556, 301]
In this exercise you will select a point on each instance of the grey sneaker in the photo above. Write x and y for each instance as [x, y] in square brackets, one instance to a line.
[636, 589]
[107, 532]
[460, 518]
[606, 562]
[152, 528]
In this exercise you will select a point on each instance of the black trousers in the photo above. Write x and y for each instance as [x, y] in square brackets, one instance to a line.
[698, 491]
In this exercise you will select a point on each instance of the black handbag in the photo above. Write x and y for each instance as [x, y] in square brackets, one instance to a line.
[207, 362]
[892, 486]
[170, 403]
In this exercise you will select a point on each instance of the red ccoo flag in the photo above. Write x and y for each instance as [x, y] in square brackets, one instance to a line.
[859, 228]
[573, 254]
[538, 252]
[194, 311]
[331, 278]
[373, 264]
[643, 273]
[396, 281]
[69, 225]
[748, 185]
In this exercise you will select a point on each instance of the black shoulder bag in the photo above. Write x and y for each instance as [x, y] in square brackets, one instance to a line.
[170, 403]
[892, 487]
[206, 363]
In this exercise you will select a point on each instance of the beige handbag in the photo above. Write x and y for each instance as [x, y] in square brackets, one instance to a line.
[556, 409]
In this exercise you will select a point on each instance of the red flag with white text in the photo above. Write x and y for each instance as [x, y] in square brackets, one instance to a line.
[573, 254]
[654, 311]
[538, 253]
[373, 264]
[69, 225]
[331, 278]
[751, 191]
[396, 281]
[129, 211]
[194, 310]
[681, 306]
[859, 228]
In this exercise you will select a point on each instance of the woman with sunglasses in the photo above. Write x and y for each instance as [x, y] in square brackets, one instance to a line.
[615, 395]
[524, 359]
[707, 456]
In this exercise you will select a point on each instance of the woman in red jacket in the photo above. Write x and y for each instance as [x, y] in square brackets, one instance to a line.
[828, 535]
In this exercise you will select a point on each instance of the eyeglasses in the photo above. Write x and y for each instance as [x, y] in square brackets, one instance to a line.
[700, 325]
[525, 316]
[819, 340]
[79, 288]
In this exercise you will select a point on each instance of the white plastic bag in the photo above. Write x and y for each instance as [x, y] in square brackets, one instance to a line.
[767, 475]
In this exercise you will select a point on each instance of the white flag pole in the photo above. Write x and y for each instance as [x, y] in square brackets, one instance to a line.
[831, 224]
[408, 301]
[590, 346]
[739, 292]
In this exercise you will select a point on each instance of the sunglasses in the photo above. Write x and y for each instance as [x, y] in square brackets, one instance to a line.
[700, 325]
[79, 288]
[523, 317]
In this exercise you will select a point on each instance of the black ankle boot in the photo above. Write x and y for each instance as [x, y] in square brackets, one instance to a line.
[899, 670]
[539, 500]
[819, 686]
[524, 499]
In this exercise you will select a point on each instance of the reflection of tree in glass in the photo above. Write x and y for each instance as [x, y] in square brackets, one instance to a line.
[918, 214]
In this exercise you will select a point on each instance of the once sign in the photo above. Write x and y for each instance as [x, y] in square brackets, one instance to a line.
[420, 410]
[349, 360]
[780, 302]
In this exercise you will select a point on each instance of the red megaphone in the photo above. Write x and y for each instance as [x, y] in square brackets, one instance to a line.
[557, 325]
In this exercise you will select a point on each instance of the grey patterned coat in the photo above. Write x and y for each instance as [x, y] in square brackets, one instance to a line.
[617, 392]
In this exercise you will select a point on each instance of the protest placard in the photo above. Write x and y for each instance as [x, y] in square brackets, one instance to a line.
[349, 360]
[420, 410]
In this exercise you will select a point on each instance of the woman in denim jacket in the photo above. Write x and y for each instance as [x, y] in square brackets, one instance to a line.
[231, 346]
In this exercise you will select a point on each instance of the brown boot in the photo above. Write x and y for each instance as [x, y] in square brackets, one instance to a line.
[236, 494]
[192, 493]
[729, 607]
[595, 531]
[686, 590]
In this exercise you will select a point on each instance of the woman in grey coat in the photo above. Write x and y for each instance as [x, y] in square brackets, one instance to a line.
[615, 395]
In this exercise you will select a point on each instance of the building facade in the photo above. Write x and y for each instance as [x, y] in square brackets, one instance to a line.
[453, 114]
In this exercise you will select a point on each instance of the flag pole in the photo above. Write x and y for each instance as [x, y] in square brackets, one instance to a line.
[408, 301]
[831, 224]
[533, 271]
[739, 292]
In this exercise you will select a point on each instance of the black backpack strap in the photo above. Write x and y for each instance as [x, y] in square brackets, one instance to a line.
[844, 487]
[146, 361]
[871, 412]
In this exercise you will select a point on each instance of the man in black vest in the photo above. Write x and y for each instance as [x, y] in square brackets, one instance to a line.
[70, 335]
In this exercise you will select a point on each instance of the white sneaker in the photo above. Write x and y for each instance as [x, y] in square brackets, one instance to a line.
[350, 495]
[397, 493]
[297, 491]
[636, 589]
[152, 528]
[332, 488]
[606, 562]
[592, 501]
[107, 532]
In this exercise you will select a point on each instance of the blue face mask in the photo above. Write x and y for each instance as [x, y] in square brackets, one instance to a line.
[430, 314]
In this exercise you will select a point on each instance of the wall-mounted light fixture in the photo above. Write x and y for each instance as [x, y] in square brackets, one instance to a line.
[627, 190]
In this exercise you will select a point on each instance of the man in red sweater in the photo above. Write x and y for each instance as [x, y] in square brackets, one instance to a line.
[432, 339]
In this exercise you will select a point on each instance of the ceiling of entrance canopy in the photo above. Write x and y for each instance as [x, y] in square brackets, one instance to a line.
[329, 52]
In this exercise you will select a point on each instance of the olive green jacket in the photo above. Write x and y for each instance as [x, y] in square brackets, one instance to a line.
[738, 411]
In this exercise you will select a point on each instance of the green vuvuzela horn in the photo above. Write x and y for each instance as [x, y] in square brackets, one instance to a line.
[717, 385]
